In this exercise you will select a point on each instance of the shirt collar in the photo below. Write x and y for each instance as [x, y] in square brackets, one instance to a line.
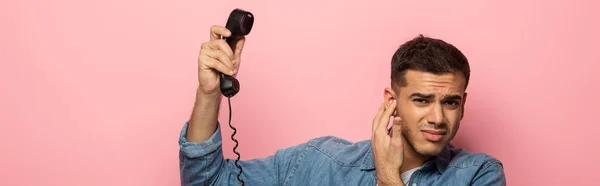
[441, 161]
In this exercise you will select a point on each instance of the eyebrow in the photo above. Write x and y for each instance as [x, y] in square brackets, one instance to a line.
[430, 96]
[452, 97]
[421, 95]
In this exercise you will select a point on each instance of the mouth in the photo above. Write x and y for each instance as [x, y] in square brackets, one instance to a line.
[433, 135]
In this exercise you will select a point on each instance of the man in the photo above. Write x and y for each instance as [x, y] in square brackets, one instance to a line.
[426, 102]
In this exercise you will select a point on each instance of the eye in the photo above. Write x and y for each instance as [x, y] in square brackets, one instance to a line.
[420, 101]
[451, 103]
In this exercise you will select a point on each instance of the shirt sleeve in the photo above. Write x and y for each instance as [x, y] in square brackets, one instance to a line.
[491, 173]
[202, 163]
[199, 162]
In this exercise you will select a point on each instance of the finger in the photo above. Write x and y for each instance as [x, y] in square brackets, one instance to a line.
[221, 56]
[385, 118]
[376, 119]
[216, 64]
[397, 120]
[239, 47]
[223, 46]
[216, 32]
[397, 129]
[204, 45]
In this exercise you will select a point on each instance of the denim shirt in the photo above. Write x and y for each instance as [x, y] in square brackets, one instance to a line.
[326, 160]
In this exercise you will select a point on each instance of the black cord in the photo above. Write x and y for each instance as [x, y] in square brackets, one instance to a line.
[236, 144]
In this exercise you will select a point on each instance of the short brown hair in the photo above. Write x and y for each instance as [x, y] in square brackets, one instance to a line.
[428, 55]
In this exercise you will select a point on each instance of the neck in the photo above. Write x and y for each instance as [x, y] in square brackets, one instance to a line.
[412, 159]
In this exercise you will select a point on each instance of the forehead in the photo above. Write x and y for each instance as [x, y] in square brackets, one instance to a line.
[426, 82]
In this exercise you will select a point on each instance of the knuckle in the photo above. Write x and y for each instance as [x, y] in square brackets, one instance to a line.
[205, 52]
[223, 44]
[205, 60]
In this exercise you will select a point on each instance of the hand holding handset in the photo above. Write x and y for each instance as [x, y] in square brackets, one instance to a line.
[239, 24]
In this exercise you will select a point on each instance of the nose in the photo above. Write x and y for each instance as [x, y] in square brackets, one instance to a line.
[436, 115]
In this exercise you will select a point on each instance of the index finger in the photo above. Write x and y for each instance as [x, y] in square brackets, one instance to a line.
[221, 45]
[385, 119]
[217, 31]
[377, 117]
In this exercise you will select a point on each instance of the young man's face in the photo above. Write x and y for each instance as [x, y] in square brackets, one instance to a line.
[431, 107]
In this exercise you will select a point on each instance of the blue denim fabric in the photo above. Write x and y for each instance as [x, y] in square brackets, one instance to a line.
[326, 161]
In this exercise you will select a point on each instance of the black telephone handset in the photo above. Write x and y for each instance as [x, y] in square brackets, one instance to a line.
[239, 24]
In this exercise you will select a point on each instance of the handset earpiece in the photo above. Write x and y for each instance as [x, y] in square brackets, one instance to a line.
[239, 24]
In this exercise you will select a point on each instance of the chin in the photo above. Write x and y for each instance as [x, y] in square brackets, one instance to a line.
[429, 149]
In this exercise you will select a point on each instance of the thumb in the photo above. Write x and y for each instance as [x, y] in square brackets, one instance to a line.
[239, 47]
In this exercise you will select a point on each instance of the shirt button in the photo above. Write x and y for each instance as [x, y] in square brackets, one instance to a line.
[414, 184]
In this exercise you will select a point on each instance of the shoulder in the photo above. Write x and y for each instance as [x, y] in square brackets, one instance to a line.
[485, 169]
[465, 159]
[340, 150]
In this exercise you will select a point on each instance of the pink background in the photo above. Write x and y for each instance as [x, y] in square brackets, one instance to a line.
[96, 92]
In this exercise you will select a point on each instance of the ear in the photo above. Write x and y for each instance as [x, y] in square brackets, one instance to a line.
[464, 101]
[389, 95]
